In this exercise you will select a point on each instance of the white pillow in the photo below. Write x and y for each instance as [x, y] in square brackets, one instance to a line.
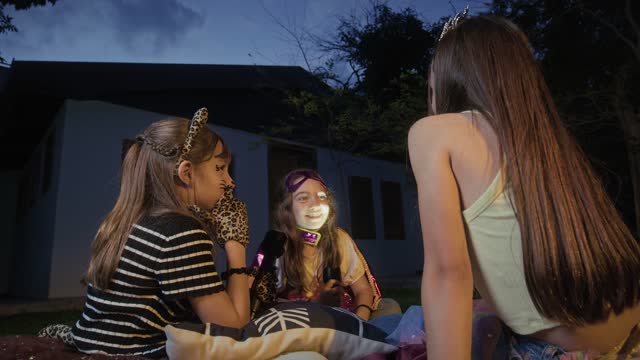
[285, 328]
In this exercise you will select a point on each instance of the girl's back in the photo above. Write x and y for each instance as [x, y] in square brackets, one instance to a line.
[476, 162]
[150, 288]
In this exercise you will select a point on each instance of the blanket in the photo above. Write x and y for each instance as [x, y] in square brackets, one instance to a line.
[30, 347]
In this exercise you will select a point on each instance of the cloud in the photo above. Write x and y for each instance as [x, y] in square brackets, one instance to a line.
[100, 30]
[182, 31]
[151, 24]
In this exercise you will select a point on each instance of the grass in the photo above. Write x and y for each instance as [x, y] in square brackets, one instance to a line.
[31, 323]
[404, 296]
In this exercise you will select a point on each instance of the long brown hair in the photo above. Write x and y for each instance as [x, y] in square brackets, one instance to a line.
[293, 259]
[147, 187]
[580, 260]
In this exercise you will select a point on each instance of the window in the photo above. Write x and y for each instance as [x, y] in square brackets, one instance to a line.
[35, 176]
[23, 196]
[392, 210]
[28, 192]
[49, 149]
[363, 225]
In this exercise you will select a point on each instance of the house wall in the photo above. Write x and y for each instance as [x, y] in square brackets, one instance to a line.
[386, 257]
[89, 183]
[9, 182]
[35, 223]
[88, 187]
[90, 179]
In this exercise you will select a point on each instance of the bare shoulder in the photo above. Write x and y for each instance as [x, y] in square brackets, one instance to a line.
[436, 132]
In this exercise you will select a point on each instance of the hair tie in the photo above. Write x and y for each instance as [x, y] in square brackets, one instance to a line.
[366, 307]
[162, 150]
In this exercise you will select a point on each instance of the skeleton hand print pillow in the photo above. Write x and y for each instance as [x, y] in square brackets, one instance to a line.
[285, 328]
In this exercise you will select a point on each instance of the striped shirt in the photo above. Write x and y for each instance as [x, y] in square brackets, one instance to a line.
[166, 260]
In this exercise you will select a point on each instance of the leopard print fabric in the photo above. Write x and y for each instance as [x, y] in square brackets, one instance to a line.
[231, 221]
[264, 289]
[58, 331]
[196, 124]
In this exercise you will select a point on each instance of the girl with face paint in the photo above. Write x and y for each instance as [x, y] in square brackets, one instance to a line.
[320, 261]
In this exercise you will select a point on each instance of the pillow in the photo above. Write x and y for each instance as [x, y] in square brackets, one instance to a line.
[284, 328]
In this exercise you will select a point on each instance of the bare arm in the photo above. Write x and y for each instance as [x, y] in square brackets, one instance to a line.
[447, 284]
[230, 307]
[360, 287]
[364, 296]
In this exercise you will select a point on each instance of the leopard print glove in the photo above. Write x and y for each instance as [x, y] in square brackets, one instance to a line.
[230, 216]
[58, 331]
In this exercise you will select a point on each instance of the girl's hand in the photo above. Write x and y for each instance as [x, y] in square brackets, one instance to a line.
[331, 293]
[232, 223]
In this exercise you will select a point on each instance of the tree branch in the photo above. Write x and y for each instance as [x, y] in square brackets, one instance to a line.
[634, 47]
[632, 21]
[296, 37]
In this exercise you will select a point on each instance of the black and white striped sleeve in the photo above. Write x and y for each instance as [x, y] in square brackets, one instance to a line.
[185, 259]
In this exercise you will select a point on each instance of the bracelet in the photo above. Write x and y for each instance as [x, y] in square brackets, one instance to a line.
[232, 271]
[366, 307]
[241, 270]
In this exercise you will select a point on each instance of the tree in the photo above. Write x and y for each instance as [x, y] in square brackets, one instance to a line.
[370, 109]
[590, 53]
[381, 48]
[6, 22]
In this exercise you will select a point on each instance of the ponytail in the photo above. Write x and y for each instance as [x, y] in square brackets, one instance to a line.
[112, 234]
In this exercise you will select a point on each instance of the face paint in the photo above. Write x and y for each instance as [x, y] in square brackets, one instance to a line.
[311, 205]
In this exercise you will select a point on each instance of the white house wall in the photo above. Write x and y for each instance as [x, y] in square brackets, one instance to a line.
[386, 257]
[9, 187]
[88, 184]
[89, 181]
[34, 232]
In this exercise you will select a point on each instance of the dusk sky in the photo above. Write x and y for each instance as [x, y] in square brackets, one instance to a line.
[186, 31]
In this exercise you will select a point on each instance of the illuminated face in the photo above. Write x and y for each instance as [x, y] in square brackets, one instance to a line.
[310, 205]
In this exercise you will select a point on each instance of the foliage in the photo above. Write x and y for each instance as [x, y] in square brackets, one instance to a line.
[370, 110]
[589, 51]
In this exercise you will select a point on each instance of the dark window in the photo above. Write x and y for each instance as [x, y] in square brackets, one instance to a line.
[28, 192]
[392, 210]
[23, 195]
[49, 149]
[363, 225]
[284, 158]
[35, 178]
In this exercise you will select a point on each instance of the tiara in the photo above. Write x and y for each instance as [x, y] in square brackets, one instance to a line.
[453, 21]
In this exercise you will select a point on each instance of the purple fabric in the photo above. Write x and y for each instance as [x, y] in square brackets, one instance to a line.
[304, 175]
[486, 329]
[310, 237]
[489, 341]
[257, 260]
